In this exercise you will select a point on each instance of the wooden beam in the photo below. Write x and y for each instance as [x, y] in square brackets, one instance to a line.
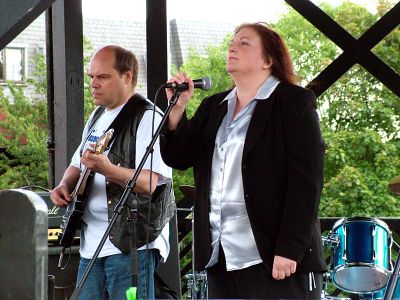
[355, 50]
[16, 15]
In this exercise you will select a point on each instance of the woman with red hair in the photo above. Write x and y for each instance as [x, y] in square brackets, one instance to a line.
[257, 155]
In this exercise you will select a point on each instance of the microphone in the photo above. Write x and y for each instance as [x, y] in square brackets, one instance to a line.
[201, 83]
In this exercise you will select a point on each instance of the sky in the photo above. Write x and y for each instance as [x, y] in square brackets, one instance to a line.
[229, 11]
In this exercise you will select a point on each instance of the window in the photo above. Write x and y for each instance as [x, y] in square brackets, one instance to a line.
[12, 64]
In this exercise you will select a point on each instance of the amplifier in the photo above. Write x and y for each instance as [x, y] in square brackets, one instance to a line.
[55, 215]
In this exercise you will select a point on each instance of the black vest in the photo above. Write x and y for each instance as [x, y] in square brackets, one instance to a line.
[161, 203]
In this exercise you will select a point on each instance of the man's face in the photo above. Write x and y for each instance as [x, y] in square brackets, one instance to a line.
[109, 88]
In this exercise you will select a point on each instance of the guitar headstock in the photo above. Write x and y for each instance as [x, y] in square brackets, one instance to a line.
[102, 142]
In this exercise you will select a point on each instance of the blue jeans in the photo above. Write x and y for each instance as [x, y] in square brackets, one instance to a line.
[154, 260]
[110, 276]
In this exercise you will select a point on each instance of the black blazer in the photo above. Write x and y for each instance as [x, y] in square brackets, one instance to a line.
[282, 170]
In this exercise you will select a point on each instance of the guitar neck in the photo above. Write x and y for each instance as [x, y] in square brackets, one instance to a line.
[99, 148]
[81, 184]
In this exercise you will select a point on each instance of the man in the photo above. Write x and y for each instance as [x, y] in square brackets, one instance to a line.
[114, 71]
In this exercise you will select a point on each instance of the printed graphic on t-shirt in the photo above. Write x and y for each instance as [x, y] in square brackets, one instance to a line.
[92, 138]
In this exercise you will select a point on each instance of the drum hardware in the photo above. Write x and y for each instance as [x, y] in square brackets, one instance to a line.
[361, 261]
[324, 294]
[332, 240]
[394, 187]
[345, 244]
[197, 283]
[326, 278]
[329, 297]
[393, 287]
[397, 245]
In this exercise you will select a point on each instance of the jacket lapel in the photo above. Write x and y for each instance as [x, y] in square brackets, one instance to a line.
[258, 122]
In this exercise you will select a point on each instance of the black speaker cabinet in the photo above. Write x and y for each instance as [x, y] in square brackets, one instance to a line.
[64, 280]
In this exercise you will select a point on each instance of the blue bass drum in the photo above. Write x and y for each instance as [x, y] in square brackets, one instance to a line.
[361, 258]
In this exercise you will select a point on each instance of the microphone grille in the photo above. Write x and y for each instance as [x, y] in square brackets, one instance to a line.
[207, 84]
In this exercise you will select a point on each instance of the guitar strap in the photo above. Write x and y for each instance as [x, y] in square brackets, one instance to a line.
[132, 106]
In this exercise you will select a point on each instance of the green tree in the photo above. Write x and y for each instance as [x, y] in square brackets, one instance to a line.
[88, 101]
[359, 116]
[213, 62]
[24, 162]
[357, 100]
[358, 166]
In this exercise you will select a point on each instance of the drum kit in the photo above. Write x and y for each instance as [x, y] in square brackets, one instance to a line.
[361, 262]
[361, 257]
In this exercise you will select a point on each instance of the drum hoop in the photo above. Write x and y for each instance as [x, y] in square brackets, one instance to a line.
[364, 264]
[343, 221]
[378, 268]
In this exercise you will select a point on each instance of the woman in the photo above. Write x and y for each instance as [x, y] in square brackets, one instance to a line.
[257, 155]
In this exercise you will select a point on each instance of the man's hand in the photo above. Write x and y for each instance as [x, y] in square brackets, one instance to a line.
[283, 267]
[98, 163]
[60, 196]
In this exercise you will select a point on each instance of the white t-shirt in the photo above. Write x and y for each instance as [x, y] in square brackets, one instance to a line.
[95, 219]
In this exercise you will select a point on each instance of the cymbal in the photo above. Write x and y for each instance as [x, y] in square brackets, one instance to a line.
[394, 185]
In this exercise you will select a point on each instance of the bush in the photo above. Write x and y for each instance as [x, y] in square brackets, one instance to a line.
[24, 161]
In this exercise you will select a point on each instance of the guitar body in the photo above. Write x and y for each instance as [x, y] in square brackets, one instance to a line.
[71, 221]
[72, 218]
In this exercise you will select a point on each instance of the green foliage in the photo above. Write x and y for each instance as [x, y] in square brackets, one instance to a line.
[38, 79]
[358, 167]
[310, 49]
[197, 65]
[24, 162]
[182, 178]
[357, 100]
[359, 116]
[88, 102]
[212, 63]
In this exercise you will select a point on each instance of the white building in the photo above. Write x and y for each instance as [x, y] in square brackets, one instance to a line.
[17, 59]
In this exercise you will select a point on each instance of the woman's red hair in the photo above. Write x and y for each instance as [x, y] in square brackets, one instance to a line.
[274, 49]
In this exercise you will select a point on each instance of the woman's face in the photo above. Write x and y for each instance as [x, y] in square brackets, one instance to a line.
[245, 53]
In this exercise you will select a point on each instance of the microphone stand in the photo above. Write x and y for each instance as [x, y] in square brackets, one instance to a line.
[393, 279]
[130, 185]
